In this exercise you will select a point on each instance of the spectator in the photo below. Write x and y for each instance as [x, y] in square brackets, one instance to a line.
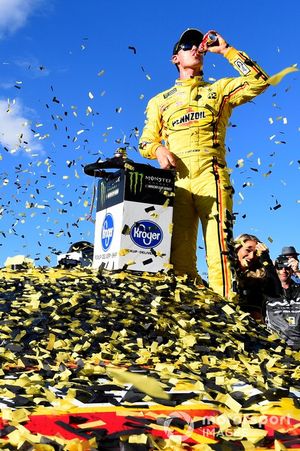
[256, 276]
[283, 314]
[185, 128]
[292, 256]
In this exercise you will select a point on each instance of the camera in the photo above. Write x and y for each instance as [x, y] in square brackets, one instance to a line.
[282, 262]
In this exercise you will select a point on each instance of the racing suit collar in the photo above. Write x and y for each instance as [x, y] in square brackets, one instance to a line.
[198, 79]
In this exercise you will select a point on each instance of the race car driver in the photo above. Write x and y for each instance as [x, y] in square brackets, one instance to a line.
[185, 128]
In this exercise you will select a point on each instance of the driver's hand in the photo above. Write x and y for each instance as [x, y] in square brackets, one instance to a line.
[217, 46]
[165, 158]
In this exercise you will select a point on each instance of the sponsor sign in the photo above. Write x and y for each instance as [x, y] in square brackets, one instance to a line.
[146, 234]
[107, 232]
[110, 190]
[134, 217]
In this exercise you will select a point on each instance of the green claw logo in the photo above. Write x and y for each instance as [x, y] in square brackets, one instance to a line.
[136, 182]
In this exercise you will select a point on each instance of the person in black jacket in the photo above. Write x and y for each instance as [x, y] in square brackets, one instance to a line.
[256, 276]
[283, 314]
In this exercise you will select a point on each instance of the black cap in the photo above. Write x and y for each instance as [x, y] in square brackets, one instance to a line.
[190, 35]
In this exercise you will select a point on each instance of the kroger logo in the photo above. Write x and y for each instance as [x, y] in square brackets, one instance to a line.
[146, 234]
[107, 231]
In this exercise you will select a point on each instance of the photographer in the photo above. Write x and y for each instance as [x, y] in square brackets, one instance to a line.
[290, 253]
[283, 315]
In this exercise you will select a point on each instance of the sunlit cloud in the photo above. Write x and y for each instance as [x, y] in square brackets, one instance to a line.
[15, 13]
[15, 128]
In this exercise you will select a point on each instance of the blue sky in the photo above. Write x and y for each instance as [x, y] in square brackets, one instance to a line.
[75, 80]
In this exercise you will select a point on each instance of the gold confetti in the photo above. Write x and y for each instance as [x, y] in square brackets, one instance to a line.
[275, 79]
[147, 385]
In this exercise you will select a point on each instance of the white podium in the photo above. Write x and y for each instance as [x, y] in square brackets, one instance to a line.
[133, 226]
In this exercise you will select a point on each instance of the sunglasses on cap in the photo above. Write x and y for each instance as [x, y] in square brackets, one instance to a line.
[186, 46]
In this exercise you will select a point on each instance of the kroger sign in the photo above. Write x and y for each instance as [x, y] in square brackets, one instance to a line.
[107, 231]
[146, 234]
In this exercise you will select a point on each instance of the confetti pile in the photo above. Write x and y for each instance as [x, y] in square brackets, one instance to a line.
[154, 352]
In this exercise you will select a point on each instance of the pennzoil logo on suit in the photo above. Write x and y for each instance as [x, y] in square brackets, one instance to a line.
[185, 119]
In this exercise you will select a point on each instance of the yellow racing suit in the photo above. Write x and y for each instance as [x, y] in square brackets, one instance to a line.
[190, 119]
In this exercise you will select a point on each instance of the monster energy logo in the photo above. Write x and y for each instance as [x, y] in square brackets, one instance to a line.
[136, 182]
